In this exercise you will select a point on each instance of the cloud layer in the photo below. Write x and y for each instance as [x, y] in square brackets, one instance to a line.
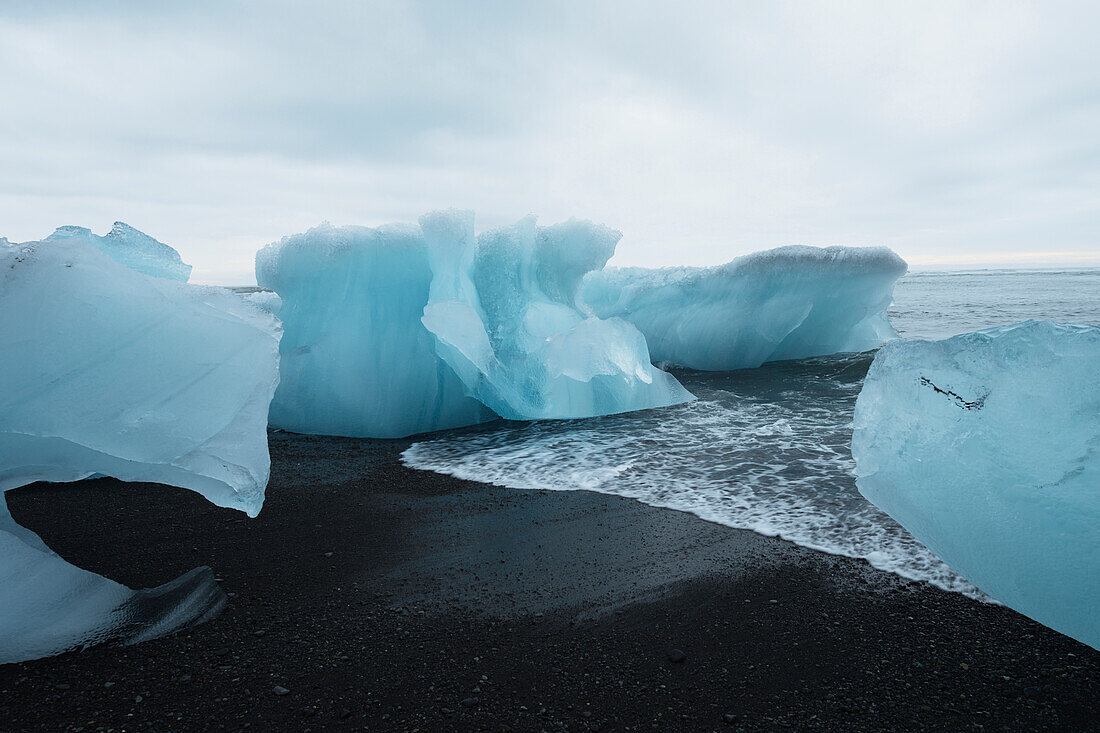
[955, 132]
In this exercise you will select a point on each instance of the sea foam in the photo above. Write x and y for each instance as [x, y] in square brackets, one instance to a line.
[765, 450]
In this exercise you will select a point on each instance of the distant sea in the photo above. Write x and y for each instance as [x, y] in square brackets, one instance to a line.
[766, 449]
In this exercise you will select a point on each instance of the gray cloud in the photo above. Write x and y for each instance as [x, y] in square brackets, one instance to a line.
[951, 132]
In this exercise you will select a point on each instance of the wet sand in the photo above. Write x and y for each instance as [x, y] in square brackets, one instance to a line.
[375, 596]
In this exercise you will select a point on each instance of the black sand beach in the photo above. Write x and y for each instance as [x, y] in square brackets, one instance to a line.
[368, 595]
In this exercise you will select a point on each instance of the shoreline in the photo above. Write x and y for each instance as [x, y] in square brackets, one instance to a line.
[896, 576]
[385, 597]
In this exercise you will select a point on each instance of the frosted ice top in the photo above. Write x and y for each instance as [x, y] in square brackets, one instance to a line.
[986, 446]
[132, 248]
[785, 303]
[406, 329]
[108, 371]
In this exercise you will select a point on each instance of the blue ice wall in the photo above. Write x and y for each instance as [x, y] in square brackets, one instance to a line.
[356, 359]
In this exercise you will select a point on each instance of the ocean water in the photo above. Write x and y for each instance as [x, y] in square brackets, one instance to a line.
[766, 449]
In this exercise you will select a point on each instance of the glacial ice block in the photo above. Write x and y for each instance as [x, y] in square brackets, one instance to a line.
[48, 606]
[406, 329]
[986, 446]
[136, 250]
[356, 359]
[265, 300]
[503, 309]
[108, 371]
[785, 303]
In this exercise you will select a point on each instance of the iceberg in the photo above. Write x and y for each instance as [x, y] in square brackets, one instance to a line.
[108, 371]
[356, 360]
[136, 250]
[986, 446]
[786, 303]
[503, 308]
[478, 328]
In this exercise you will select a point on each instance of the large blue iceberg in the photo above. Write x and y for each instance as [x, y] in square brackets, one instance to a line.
[986, 446]
[787, 303]
[406, 329]
[132, 248]
[356, 359]
[108, 371]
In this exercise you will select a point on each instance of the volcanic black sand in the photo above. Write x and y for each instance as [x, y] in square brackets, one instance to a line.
[369, 595]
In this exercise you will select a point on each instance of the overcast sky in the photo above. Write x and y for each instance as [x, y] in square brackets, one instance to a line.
[955, 133]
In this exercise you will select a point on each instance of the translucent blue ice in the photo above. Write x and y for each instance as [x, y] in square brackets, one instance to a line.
[406, 329]
[986, 446]
[786, 303]
[503, 309]
[108, 371]
[356, 359]
[132, 248]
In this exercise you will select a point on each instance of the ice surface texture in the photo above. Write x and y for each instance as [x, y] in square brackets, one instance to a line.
[406, 329]
[355, 358]
[504, 313]
[132, 248]
[108, 371]
[786, 303]
[986, 446]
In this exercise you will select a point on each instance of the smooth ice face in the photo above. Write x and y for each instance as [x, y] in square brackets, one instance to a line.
[108, 371]
[503, 310]
[986, 446]
[132, 248]
[786, 303]
[355, 358]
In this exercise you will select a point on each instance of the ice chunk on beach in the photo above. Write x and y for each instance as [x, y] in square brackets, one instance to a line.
[503, 309]
[986, 446]
[136, 250]
[356, 360]
[108, 371]
[406, 329]
[48, 606]
[785, 303]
